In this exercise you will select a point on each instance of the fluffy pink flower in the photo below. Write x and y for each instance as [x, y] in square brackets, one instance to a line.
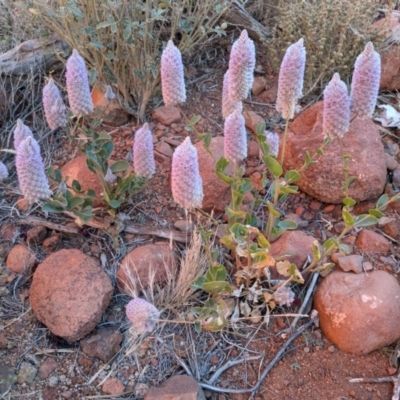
[336, 115]
[235, 138]
[228, 105]
[142, 314]
[242, 62]
[291, 76]
[143, 156]
[54, 108]
[172, 80]
[365, 83]
[186, 182]
[21, 132]
[3, 172]
[80, 99]
[284, 296]
[30, 170]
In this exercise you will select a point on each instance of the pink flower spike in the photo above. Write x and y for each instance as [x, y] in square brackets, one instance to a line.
[54, 108]
[143, 155]
[186, 182]
[3, 172]
[142, 315]
[336, 114]
[80, 99]
[291, 76]
[172, 80]
[365, 82]
[272, 140]
[30, 170]
[228, 105]
[242, 62]
[235, 138]
[21, 132]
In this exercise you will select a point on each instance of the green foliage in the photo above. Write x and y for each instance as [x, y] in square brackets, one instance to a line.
[122, 41]
[334, 32]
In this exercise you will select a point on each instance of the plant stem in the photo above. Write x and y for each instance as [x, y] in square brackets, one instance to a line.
[284, 142]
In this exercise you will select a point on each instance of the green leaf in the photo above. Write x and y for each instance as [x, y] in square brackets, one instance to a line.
[119, 166]
[365, 220]
[331, 242]
[273, 165]
[308, 159]
[344, 248]
[287, 224]
[221, 165]
[198, 283]
[76, 186]
[262, 241]
[91, 193]
[347, 217]
[349, 202]
[260, 129]
[382, 201]
[292, 176]
[114, 203]
[219, 272]
[53, 206]
[273, 210]
[74, 202]
[246, 185]
[376, 213]
[217, 287]
[239, 230]
[104, 24]
[316, 251]
[225, 178]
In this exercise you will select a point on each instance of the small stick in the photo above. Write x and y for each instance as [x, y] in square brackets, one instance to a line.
[394, 379]
[306, 300]
[36, 221]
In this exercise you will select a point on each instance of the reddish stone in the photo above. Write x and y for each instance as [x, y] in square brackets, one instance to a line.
[259, 84]
[69, 293]
[36, 235]
[251, 120]
[323, 180]
[166, 115]
[392, 229]
[352, 307]
[20, 258]
[253, 149]
[138, 266]
[47, 367]
[372, 242]
[113, 386]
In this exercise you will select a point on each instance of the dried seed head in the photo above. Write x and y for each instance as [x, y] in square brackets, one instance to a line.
[109, 94]
[109, 177]
[186, 182]
[30, 170]
[272, 139]
[284, 296]
[80, 99]
[291, 76]
[142, 314]
[172, 80]
[228, 105]
[365, 82]
[54, 108]
[3, 172]
[143, 155]
[21, 132]
[336, 114]
[235, 138]
[242, 62]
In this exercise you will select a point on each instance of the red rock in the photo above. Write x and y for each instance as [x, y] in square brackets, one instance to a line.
[47, 367]
[166, 115]
[297, 244]
[372, 242]
[251, 120]
[51, 243]
[36, 235]
[391, 163]
[396, 177]
[109, 111]
[113, 386]
[77, 169]
[20, 258]
[163, 160]
[104, 344]
[392, 229]
[271, 91]
[69, 293]
[315, 205]
[329, 208]
[23, 204]
[179, 387]
[217, 194]
[359, 313]
[253, 149]
[7, 231]
[353, 263]
[323, 180]
[137, 266]
[259, 84]
[164, 148]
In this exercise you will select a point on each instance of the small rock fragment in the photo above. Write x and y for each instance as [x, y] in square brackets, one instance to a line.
[372, 242]
[7, 378]
[353, 263]
[391, 163]
[27, 373]
[20, 258]
[47, 367]
[36, 235]
[113, 386]
[166, 115]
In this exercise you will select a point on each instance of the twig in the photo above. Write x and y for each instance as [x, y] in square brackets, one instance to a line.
[266, 371]
[36, 221]
[306, 300]
[129, 227]
[228, 365]
[394, 379]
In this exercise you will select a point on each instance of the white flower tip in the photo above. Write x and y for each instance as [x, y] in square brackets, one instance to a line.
[244, 35]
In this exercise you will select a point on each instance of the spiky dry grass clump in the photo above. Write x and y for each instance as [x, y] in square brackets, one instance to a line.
[335, 32]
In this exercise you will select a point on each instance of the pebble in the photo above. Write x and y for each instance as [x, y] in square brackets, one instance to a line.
[391, 163]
